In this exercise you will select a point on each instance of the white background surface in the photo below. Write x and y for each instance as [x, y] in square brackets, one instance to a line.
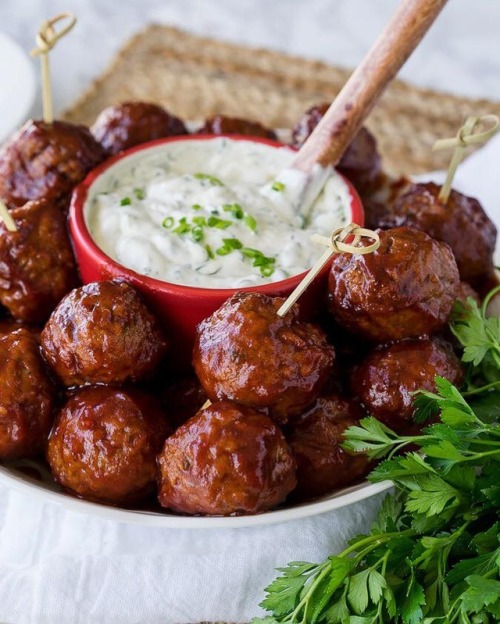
[67, 568]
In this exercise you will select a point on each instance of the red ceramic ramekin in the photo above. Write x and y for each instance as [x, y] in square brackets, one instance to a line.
[180, 308]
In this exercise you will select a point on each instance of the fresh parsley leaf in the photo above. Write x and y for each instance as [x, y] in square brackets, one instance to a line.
[480, 593]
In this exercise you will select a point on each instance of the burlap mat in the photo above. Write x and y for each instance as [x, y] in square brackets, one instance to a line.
[195, 77]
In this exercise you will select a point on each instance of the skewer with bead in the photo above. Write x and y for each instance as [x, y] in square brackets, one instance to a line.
[46, 39]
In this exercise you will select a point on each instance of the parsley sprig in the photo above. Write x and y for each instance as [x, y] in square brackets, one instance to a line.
[433, 554]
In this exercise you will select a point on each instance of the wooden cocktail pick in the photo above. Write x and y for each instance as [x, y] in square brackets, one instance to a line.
[6, 217]
[337, 243]
[469, 134]
[46, 39]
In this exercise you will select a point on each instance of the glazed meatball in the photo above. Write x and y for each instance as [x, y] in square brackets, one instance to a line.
[127, 124]
[315, 438]
[220, 124]
[104, 444]
[37, 266]
[102, 333]
[246, 353]
[386, 380]
[404, 289]
[46, 161]
[360, 163]
[461, 222]
[26, 396]
[228, 459]
[182, 399]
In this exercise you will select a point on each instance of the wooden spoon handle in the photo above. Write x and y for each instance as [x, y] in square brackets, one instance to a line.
[343, 119]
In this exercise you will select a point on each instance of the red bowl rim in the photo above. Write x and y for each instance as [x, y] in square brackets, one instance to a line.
[82, 238]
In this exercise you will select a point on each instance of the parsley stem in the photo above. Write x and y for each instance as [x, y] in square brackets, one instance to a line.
[493, 384]
[488, 298]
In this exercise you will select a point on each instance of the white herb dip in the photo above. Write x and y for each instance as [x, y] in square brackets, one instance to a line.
[210, 213]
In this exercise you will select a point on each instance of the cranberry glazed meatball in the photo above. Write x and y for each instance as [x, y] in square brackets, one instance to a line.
[46, 161]
[461, 222]
[220, 124]
[124, 125]
[37, 266]
[315, 438]
[404, 289]
[102, 333]
[360, 163]
[246, 353]
[386, 380]
[105, 442]
[226, 460]
[26, 396]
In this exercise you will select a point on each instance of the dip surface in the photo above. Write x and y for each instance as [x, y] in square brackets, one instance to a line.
[210, 213]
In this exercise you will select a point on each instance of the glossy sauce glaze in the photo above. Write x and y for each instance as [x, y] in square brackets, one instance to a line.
[210, 213]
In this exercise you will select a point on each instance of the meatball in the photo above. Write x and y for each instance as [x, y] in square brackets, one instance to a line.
[46, 161]
[404, 289]
[104, 444]
[226, 460]
[315, 438]
[461, 222]
[386, 380]
[246, 353]
[220, 124]
[360, 163]
[127, 124]
[26, 396]
[102, 333]
[37, 266]
[182, 399]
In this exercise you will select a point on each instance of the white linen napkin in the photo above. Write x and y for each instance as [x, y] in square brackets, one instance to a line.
[64, 567]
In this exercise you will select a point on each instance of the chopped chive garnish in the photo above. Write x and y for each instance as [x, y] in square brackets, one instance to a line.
[278, 186]
[206, 176]
[140, 193]
[235, 209]
[183, 227]
[197, 233]
[209, 251]
[251, 253]
[221, 224]
[250, 222]
[232, 243]
[125, 201]
[223, 251]
[199, 221]
[196, 206]
[267, 271]
[167, 222]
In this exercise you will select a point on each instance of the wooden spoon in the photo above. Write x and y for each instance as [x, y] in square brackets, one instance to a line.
[309, 170]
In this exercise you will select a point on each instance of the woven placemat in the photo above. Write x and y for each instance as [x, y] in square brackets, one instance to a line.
[195, 77]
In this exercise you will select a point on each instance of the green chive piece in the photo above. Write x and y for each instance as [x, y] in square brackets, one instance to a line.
[199, 221]
[251, 253]
[197, 233]
[183, 228]
[250, 222]
[210, 178]
[223, 251]
[209, 251]
[267, 271]
[126, 201]
[221, 224]
[235, 209]
[168, 222]
[140, 193]
[196, 206]
[232, 243]
[278, 186]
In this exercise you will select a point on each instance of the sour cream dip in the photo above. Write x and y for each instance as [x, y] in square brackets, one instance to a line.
[210, 213]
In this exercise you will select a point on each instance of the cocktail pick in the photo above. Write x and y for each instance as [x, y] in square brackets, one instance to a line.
[6, 217]
[336, 243]
[46, 39]
[467, 135]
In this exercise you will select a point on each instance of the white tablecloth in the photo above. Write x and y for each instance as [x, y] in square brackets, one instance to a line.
[59, 566]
